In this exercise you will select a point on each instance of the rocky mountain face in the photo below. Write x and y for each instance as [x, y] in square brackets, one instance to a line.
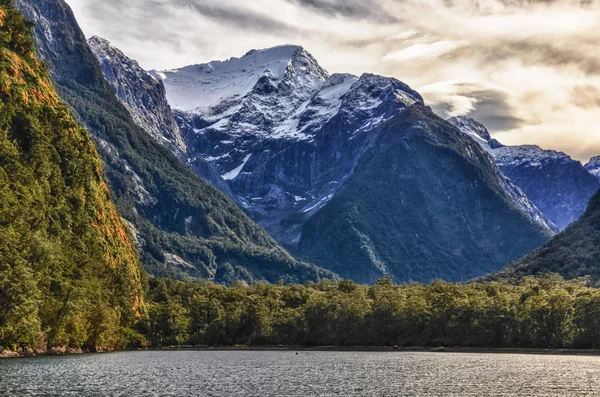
[182, 225]
[283, 131]
[145, 98]
[69, 272]
[558, 185]
[331, 165]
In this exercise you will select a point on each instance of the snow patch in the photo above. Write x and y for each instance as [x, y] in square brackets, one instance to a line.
[236, 171]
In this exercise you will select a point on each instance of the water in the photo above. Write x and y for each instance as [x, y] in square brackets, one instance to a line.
[285, 373]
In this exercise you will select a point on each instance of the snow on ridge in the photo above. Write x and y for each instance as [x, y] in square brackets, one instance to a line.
[530, 155]
[474, 129]
[593, 166]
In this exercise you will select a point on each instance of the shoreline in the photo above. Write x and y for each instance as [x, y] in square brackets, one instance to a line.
[374, 349]
[391, 349]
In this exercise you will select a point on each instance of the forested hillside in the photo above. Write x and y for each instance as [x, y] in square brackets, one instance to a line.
[573, 253]
[69, 275]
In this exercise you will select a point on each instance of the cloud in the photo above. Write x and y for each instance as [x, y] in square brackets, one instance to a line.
[528, 69]
[492, 106]
[425, 50]
[586, 96]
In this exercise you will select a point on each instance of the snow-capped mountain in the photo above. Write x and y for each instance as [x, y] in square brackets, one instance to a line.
[593, 166]
[558, 185]
[182, 226]
[280, 128]
[353, 172]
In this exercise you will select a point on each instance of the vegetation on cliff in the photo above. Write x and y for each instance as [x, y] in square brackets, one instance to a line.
[69, 275]
[573, 253]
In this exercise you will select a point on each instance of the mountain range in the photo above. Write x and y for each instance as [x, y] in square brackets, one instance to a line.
[354, 174]
[302, 151]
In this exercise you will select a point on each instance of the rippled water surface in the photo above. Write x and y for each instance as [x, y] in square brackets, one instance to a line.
[285, 373]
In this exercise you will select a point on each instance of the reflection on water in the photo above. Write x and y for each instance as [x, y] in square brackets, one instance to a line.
[308, 373]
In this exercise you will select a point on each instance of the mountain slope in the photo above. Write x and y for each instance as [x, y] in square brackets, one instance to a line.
[424, 202]
[69, 274]
[558, 185]
[573, 253]
[181, 224]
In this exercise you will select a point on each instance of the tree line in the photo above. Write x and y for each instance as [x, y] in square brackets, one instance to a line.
[545, 312]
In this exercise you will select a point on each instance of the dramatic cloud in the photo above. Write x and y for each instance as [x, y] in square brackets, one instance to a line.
[528, 69]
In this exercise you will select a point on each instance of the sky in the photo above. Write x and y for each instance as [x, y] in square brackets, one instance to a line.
[528, 69]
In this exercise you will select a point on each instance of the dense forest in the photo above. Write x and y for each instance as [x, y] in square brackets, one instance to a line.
[545, 312]
[69, 274]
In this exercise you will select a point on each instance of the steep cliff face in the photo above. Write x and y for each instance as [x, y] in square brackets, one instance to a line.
[182, 225]
[69, 273]
[558, 185]
[143, 96]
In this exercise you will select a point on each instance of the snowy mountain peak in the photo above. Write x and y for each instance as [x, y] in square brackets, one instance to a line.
[200, 88]
[531, 155]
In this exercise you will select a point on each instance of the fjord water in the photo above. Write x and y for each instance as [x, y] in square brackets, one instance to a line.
[306, 373]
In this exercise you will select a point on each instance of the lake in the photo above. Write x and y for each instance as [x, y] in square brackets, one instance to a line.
[308, 373]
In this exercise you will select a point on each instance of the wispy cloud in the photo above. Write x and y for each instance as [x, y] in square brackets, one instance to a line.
[421, 51]
[528, 69]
